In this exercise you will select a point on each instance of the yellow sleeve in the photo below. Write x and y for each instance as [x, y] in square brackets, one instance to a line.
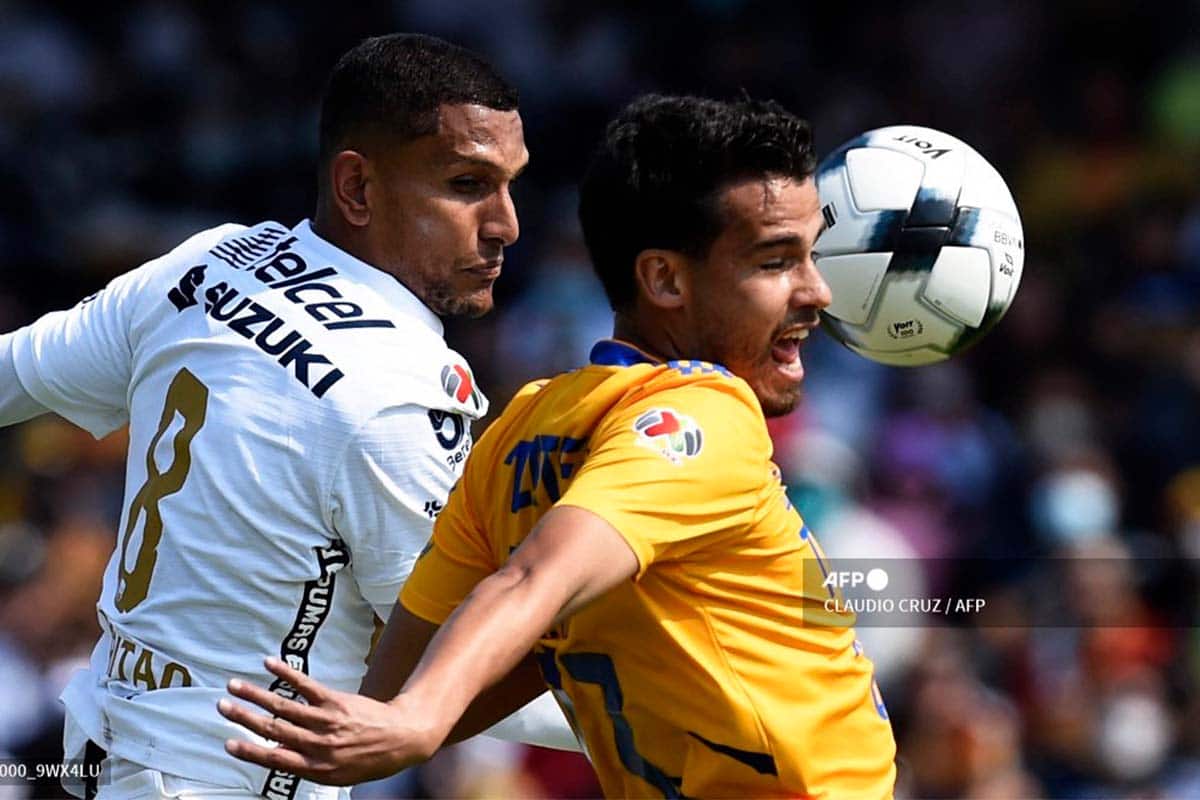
[455, 560]
[676, 468]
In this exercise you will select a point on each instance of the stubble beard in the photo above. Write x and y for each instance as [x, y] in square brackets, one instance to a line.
[445, 302]
[781, 407]
[773, 404]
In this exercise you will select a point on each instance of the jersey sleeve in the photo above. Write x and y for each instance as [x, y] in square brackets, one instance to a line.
[391, 485]
[16, 404]
[460, 553]
[79, 362]
[676, 469]
[457, 558]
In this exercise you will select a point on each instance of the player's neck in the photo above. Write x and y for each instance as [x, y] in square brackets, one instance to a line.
[656, 342]
[342, 236]
[323, 226]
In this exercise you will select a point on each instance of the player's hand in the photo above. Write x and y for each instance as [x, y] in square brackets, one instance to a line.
[338, 738]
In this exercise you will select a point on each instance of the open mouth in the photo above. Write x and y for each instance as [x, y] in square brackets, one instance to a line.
[785, 351]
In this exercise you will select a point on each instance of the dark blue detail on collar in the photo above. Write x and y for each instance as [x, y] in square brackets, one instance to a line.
[611, 353]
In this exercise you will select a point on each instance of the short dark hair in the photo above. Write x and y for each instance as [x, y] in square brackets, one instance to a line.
[394, 84]
[654, 180]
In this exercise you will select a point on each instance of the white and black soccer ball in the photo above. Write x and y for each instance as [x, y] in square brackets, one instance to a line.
[923, 247]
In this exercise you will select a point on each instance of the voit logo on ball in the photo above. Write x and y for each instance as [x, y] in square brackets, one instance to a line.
[905, 329]
[457, 381]
[669, 433]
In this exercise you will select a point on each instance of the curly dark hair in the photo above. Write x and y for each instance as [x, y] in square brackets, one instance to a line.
[393, 85]
[654, 180]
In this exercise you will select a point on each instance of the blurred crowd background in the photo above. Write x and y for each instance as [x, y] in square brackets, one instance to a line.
[1066, 446]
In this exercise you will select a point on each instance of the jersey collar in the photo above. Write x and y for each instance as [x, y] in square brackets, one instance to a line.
[395, 292]
[615, 353]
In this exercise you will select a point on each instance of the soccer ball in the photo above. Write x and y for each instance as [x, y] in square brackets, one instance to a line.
[923, 245]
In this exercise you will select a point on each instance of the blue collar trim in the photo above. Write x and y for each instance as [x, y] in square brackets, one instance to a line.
[612, 353]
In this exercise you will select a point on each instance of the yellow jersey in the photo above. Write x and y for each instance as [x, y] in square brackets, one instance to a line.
[720, 670]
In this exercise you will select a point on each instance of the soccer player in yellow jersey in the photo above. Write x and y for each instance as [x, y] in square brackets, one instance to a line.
[620, 533]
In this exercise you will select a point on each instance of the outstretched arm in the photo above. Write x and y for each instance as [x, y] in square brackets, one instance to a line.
[399, 649]
[571, 558]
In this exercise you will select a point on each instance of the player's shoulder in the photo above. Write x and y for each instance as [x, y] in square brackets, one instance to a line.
[190, 251]
[422, 401]
[431, 375]
[608, 391]
[697, 399]
[202, 243]
[526, 403]
[531, 390]
[144, 285]
[697, 384]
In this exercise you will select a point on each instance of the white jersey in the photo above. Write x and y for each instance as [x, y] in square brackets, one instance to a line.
[296, 422]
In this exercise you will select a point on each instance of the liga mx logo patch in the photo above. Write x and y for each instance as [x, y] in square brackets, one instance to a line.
[670, 433]
[458, 383]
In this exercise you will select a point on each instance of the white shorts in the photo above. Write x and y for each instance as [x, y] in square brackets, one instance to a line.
[125, 780]
[121, 779]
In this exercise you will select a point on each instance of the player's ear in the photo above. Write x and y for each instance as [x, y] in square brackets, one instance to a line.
[348, 173]
[661, 277]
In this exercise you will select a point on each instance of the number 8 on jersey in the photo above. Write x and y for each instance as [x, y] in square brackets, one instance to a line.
[188, 397]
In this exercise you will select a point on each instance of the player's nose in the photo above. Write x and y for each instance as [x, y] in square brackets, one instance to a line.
[809, 288]
[500, 223]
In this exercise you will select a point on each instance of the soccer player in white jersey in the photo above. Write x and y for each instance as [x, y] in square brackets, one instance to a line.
[296, 420]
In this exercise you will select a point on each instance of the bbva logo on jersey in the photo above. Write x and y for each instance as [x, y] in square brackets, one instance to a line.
[458, 383]
[670, 433]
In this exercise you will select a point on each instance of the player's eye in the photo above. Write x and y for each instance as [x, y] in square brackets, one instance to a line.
[777, 264]
[468, 184]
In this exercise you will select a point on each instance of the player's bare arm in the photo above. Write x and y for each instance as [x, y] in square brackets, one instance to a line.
[571, 558]
[400, 647]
